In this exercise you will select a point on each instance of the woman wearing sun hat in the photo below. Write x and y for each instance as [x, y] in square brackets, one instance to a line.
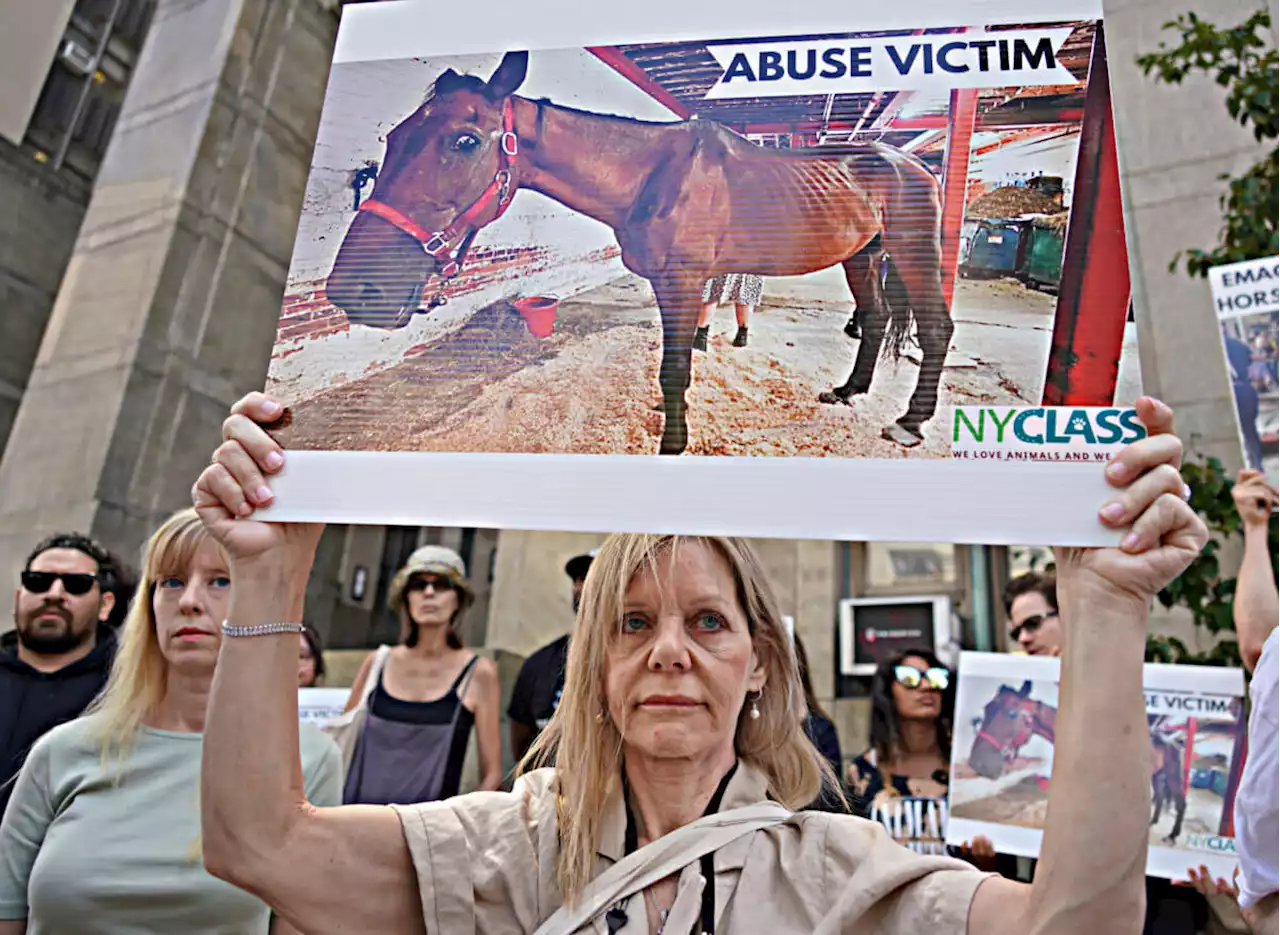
[413, 705]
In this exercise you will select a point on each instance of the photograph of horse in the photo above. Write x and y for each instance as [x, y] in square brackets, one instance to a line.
[686, 200]
[1012, 717]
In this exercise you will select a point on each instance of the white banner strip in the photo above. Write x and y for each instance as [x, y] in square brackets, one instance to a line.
[934, 500]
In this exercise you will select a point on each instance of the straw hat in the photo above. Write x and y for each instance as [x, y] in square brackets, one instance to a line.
[431, 560]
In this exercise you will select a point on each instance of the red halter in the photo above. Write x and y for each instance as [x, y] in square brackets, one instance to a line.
[495, 198]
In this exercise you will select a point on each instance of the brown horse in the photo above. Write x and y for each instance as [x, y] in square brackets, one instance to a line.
[1012, 718]
[686, 200]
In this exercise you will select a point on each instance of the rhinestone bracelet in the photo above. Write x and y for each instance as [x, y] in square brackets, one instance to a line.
[261, 629]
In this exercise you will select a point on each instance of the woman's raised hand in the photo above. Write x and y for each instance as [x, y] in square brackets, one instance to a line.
[234, 486]
[1165, 534]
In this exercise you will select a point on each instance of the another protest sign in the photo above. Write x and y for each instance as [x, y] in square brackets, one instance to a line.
[510, 268]
[317, 705]
[1003, 749]
[1246, 297]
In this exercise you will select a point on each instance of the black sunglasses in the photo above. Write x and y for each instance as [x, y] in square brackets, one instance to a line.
[935, 677]
[1031, 624]
[435, 582]
[77, 583]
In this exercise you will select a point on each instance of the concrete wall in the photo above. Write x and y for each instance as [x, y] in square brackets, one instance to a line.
[316, 348]
[169, 303]
[1174, 142]
[38, 224]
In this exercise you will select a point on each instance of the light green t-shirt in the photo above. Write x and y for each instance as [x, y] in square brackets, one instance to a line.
[89, 848]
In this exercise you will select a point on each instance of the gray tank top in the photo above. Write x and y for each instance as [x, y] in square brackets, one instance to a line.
[411, 751]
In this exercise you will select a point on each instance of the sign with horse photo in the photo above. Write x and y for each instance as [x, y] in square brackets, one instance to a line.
[730, 267]
[1002, 758]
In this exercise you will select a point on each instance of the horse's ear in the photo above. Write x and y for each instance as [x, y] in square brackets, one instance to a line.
[1025, 689]
[447, 80]
[509, 76]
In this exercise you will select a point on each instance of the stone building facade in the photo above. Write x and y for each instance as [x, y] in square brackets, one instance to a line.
[141, 300]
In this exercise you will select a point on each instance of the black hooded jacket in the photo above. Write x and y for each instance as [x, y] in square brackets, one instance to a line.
[33, 702]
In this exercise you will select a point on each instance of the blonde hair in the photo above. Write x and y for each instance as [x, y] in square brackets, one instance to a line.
[139, 674]
[587, 745]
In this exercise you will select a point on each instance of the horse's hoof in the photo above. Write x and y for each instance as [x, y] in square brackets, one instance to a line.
[831, 398]
[901, 436]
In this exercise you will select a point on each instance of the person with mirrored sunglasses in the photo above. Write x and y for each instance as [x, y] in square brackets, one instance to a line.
[901, 781]
[57, 657]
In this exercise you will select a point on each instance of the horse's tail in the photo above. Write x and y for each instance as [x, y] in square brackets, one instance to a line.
[898, 330]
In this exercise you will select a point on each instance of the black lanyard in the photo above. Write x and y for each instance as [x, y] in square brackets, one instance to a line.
[708, 864]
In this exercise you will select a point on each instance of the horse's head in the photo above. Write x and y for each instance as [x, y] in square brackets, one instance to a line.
[439, 162]
[1008, 722]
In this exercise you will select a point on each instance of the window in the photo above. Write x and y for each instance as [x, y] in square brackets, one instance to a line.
[894, 565]
[82, 96]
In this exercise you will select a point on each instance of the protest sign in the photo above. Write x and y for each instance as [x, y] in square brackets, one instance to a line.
[517, 273]
[1003, 748]
[317, 705]
[1246, 297]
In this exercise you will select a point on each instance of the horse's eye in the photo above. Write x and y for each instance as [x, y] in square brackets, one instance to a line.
[465, 142]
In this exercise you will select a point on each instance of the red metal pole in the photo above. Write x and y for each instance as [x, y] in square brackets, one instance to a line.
[1093, 298]
[1190, 754]
[955, 179]
[617, 60]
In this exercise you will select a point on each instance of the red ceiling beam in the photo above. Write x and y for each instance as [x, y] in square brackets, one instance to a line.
[989, 121]
[619, 62]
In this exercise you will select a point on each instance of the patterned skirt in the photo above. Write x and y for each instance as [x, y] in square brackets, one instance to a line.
[734, 289]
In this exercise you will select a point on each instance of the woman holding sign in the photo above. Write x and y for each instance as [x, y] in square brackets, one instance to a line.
[680, 752]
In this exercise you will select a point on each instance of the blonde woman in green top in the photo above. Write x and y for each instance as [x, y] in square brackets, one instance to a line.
[102, 834]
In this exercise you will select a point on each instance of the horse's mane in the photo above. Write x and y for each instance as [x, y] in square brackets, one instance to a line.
[617, 118]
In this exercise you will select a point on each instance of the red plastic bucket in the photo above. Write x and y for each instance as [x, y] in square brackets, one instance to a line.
[539, 313]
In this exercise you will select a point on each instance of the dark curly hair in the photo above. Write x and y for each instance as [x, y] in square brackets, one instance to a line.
[316, 645]
[885, 731]
[108, 567]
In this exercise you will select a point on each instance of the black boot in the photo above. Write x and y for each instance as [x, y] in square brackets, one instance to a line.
[700, 338]
[740, 339]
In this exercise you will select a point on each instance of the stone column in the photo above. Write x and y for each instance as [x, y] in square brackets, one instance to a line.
[1174, 141]
[168, 308]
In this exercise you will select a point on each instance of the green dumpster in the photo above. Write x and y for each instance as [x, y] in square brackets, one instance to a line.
[1042, 259]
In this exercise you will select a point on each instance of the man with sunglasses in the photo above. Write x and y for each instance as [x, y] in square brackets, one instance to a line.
[57, 658]
[1031, 601]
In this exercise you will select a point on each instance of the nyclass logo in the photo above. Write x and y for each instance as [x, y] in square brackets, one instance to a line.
[1042, 433]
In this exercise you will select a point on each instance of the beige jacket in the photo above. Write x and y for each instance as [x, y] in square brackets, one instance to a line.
[486, 865]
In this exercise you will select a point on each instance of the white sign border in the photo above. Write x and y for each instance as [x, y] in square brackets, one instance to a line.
[416, 28]
[882, 500]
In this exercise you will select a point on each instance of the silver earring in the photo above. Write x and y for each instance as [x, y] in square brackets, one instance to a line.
[755, 707]
[599, 717]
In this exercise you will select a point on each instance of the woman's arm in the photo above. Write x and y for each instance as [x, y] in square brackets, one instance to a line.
[1093, 855]
[1254, 607]
[484, 689]
[13, 927]
[341, 870]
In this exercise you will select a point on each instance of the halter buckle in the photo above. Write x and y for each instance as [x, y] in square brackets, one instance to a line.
[449, 270]
[436, 244]
[510, 143]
